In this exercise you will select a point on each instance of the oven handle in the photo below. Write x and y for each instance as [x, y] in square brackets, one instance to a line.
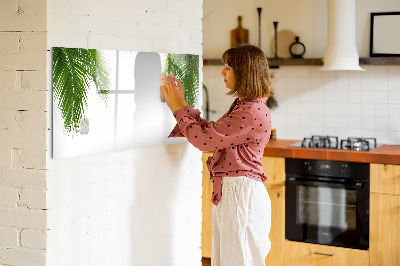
[357, 185]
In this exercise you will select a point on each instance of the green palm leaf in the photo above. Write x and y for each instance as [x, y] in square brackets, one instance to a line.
[185, 67]
[74, 70]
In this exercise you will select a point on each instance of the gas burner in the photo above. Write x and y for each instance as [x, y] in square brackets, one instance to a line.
[332, 142]
[358, 144]
[327, 142]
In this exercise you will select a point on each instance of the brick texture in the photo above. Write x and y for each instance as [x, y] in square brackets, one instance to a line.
[23, 126]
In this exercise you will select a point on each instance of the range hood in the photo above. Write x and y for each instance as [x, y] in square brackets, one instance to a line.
[341, 51]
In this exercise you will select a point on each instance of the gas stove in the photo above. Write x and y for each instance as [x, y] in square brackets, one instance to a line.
[332, 142]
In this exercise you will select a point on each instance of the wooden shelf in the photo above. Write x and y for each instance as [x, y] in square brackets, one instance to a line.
[380, 61]
[274, 63]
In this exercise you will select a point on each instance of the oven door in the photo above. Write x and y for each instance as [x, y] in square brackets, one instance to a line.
[327, 213]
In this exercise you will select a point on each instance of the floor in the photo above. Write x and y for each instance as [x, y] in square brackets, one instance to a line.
[206, 261]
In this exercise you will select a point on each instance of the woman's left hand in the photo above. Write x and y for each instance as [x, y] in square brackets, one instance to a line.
[171, 95]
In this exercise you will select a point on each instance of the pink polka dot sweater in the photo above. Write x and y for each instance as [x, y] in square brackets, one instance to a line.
[238, 139]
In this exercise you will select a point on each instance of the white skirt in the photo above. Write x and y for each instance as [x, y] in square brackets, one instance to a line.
[241, 223]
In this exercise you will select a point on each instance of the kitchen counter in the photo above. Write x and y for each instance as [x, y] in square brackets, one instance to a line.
[389, 154]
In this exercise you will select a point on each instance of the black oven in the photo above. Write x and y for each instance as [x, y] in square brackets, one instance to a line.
[327, 202]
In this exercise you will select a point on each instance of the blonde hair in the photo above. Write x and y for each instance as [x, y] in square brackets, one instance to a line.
[250, 66]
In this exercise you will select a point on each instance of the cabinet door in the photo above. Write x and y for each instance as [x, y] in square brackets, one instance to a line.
[277, 233]
[385, 178]
[274, 168]
[305, 254]
[206, 225]
[384, 229]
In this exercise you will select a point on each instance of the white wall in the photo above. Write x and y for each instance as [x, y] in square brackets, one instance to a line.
[305, 18]
[23, 133]
[311, 102]
[133, 207]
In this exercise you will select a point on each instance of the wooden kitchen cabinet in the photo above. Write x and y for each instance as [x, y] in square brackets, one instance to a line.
[305, 254]
[274, 168]
[206, 225]
[385, 178]
[384, 236]
[277, 233]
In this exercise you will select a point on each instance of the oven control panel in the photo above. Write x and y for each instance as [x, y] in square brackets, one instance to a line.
[337, 169]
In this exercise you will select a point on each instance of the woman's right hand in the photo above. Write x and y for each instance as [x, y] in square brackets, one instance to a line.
[181, 91]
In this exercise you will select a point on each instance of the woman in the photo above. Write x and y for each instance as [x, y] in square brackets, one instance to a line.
[242, 208]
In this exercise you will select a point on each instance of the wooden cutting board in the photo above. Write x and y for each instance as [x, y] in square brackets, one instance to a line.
[239, 35]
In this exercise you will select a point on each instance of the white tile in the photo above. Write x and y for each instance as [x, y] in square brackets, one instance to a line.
[329, 109]
[394, 70]
[316, 72]
[381, 71]
[329, 83]
[394, 97]
[355, 109]
[317, 120]
[367, 96]
[303, 131]
[278, 83]
[367, 83]
[381, 84]
[355, 122]
[293, 120]
[329, 94]
[317, 107]
[394, 137]
[317, 95]
[291, 133]
[381, 97]
[304, 72]
[394, 110]
[394, 123]
[355, 132]
[317, 131]
[342, 81]
[329, 122]
[382, 136]
[342, 133]
[304, 109]
[381, 110]
[342, 96]
[328, 74]
[329, 131]
[355, 96]
[291, 71]
[369, 70]
[394, 83]
[316, 82]
[381, 123]
[367, 133]
[354, 74]
[342, 109]
[367, 110]
[354, 83]
[292, 107]
[342, 122]
[368, 122]
[278, 72]
[292, 82]
[303, 82]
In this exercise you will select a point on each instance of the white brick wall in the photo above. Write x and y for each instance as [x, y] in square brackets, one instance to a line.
[134, 207]
[23, 129]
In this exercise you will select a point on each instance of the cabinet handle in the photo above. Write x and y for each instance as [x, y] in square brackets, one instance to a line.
[325, 254]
